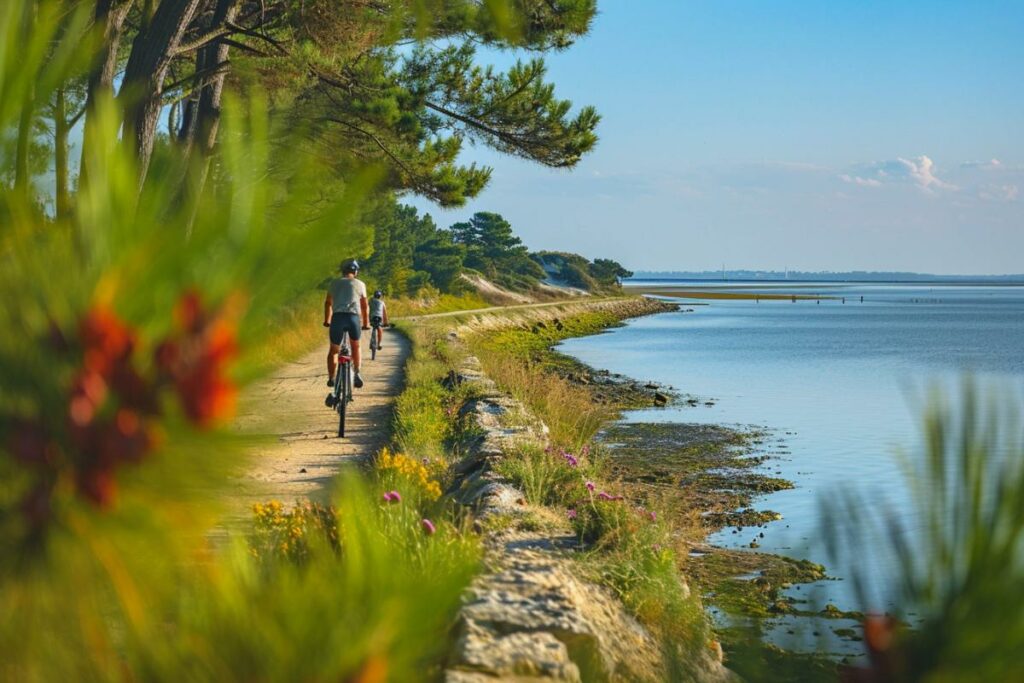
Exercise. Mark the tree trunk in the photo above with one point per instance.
(142, 90)
(203, 120)
(22, 181)
(21, 170)
(101, 77)
(202, 135)
(60, 153)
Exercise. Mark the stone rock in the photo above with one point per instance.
(537, 592)
(529, 654)
(660, 399)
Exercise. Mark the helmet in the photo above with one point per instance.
(350, 266)
(378, 294)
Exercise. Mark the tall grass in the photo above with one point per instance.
(570, 413)
(370, 609)
(960, 572)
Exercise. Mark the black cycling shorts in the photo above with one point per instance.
(342, 323)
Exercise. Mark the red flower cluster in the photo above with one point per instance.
(195, 359)
(113, 408)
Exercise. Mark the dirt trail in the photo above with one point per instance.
(296, 452)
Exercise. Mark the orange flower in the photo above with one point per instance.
(879, 632)
(206, 396)
(188, 312)
(105, 339)
(373, 670)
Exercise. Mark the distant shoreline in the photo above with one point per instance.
(966, 281)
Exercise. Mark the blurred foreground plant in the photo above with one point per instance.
(959, 559)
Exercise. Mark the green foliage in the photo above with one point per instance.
(425, 411)
(634, 555)
(410, 253)
(493, 250)
(549, 476)
(576, 271)
(961, 566)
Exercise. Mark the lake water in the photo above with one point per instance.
(841, 386)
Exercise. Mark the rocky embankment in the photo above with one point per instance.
(531, 616)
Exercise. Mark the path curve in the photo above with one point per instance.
(296, 452)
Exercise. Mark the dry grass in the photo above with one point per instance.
(569, 411)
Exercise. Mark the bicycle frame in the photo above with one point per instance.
(343, 384)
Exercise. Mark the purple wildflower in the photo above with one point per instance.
(571, 513)
(604, 496)
(428, 526)
(652, 515)
(387, 496)
(396, 497)
(573, 462)
(590, 486)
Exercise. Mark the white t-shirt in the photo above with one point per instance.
(376, 308)
(346, 293)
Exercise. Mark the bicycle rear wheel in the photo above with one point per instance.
(342, 409)
(344, 379)
(373, 343)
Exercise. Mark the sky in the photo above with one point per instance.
(806, 135)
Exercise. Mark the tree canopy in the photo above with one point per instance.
(395, 85)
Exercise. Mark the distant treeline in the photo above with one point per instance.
(411, 254)
(822, 276)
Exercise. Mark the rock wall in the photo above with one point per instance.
(531, 618)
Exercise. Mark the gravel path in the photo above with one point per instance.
(296, 452)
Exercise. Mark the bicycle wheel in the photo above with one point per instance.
(373, 343)
(343, 398)
(342, 409)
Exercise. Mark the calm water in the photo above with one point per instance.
(840, 386)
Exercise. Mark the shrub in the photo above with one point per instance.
(549, 476)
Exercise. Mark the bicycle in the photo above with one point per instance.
(341, 395)
(375, 325)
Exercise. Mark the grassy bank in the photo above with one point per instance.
(628, 543)
(669, 485)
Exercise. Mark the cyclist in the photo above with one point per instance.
(378, 316)
(346, 310)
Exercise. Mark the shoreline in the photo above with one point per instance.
(719, 473)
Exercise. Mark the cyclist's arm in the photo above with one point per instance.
(364, 309)
(328, 308)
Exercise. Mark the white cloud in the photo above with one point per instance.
(857, 180)
(999, 193)
(919, 171)
(990, 165)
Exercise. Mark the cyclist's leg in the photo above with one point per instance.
(335, 335)
(354, 328)
(332, 363)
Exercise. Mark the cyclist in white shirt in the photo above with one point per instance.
(378, 316)
(346, 310)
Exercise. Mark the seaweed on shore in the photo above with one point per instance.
(707, 469)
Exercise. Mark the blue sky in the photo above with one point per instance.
(809, 135)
